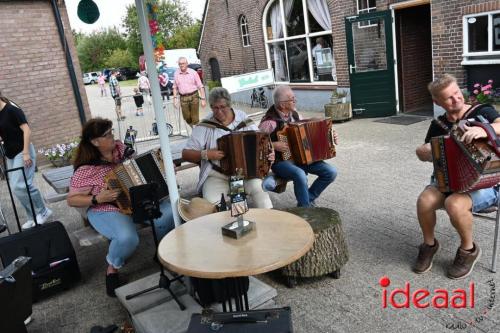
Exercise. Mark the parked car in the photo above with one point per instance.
(198, 69)
(127, 73)
(90, 78)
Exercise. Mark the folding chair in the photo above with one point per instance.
(486, 214)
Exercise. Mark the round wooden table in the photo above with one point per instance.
(198, 248)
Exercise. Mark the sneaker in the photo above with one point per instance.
(27, 321)
(43, 217)
(425, 255)
(464, 263)
(28, 224)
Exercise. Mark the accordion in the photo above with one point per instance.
(245, 154)
(461, 167)
(309, 140)
(143, 169)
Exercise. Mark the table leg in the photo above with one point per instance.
(234, 287)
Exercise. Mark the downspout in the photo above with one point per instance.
(69, 62)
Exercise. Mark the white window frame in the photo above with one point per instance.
(245, 38)
(467, 54)
(365, 11)
(308, 35)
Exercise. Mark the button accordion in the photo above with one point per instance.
(309, 140)
(245, 150)
(461, 167)
(143, 169)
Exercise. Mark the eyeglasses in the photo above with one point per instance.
(109, 133)
(218, 107)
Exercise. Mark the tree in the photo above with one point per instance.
(94, 49)
(185, 37)
(120, 58)
(172, 16)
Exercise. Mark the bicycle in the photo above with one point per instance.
(259, 98)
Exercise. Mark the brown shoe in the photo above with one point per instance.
(425, 255)
(464, 263)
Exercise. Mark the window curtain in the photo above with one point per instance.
(277, 30)
(319, 10)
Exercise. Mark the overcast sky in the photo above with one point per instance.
(112, 12)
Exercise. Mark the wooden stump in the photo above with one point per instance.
(329, 252)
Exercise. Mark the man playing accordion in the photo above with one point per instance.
(281, 113)
(202, 148)
(459, 206)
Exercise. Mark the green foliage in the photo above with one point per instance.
(213, 84)
(94, 49)
(172, 16)
(185, 37)
(120, 58)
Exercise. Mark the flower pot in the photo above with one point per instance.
(60, 162)
(338, 112)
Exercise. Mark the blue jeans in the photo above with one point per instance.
(121, 231)
(298, 174)
(17, 185)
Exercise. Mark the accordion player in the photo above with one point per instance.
(246, 151)
(143, 169)
(462, 167)
(309, 140)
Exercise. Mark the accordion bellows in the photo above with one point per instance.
(143, 169)
(245, 150)
(309, 140)
(460, 167)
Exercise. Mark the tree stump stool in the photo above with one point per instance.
(329, 251)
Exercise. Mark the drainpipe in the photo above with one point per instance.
(69, 62)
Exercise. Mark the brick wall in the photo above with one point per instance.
(34, 73)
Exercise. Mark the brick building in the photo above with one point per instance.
(384, 52)
(34, 72)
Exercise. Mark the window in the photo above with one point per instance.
(245, 35)
(366, 6)
(481, 38)
(299, 42)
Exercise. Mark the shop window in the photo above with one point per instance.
(482, 38)
(245, 35)
(299, 41)
(366, 6)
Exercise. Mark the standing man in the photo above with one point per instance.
(188, 85)
(459, 206)
(281, 113)
(114, 88)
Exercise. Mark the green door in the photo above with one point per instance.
(371, 64)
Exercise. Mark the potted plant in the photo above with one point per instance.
(484, 94)
(339, 109)
(60, 155)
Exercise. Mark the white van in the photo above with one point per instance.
(170, 57)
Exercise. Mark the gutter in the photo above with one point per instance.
(69, 62)
(203, 19)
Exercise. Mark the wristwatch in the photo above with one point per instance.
(94, 200)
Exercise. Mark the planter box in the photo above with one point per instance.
(338, 112)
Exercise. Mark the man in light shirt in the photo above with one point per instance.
(188, 86)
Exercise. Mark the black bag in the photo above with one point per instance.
(263, 321)
(212, 290)
(54, 263)
(15, 293)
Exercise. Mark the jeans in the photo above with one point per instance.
(121, 231)
(298, 174)
(17, 185)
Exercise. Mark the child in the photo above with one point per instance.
(139, 100)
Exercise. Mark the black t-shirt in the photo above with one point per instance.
(11, 118)
(485, 110)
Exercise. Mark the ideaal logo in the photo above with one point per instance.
(440, 299)
(423, 298)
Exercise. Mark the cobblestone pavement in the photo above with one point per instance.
(378, 181)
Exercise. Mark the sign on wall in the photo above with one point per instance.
(248, 81)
